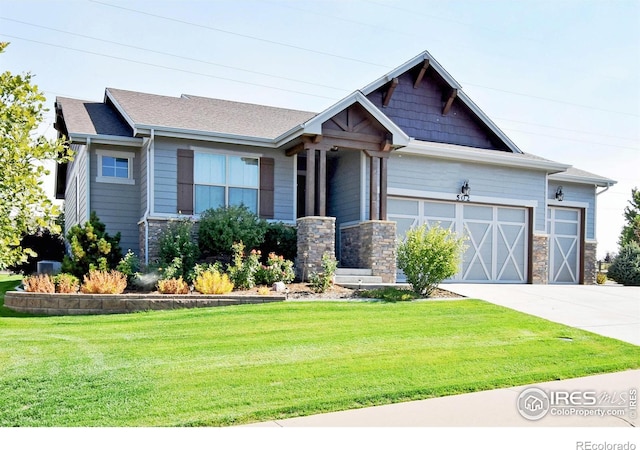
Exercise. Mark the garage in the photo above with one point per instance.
(497, 236)
(564, 245)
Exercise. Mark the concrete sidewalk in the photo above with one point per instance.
(609, 310)
(496, 408)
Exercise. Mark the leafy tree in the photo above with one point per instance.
(631, 231)
(24, 206)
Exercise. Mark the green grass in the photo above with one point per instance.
(390, 294)
(240, 364)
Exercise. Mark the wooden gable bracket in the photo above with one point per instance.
(449, 102)
(306, 140)
(423, 71)
(392, 87)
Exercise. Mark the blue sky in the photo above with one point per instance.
(561, 78)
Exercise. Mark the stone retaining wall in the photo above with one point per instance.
(78, 304)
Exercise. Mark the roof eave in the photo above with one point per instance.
(475, 155)
(106, 139)
(183, 133)
(595, 180)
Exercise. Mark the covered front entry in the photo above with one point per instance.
(497, 236)
(564, 245)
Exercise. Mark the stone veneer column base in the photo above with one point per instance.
(540, 263)
(378, 248)
(590, 261)
(316, 235)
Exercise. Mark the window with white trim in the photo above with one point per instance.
(225, 180)
(115, 167)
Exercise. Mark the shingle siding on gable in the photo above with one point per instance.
(419, 113)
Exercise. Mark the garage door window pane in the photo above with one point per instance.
(566, 228)
(403, 207)
(435, 209)
(566, 214)
(478, 213)
(511, 215)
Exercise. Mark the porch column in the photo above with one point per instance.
(383, 188)
(374, 185)
(322, 183)
(310, 193)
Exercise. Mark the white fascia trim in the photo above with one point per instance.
(414, 193)
(568, 178)
(567, 203)
(120, 109)
(105, 139)
(314, 125)
(225, 138)
(424, 56)
(474, 155)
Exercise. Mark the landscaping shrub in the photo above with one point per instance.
(46, 245)
(220, 228)
(625, 268)
(173, 286)
(601, 278)
(244, 268)
(429, 256)
(276, 269)
(176, 243)
(91, 248)
(39, 283)
(66, 283)
(281, 239)
(321, 282)
(129, 265)
(213, 282)
(103, 282)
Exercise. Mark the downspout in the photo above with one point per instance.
(145, 218)
(595, 207)
(604, 190)
(88, 181)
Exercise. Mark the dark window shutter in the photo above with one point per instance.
(185, 181)
(267, 182)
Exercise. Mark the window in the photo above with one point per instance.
(115, 167)
(225, 180)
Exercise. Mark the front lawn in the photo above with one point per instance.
(240, 364)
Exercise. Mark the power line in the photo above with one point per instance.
(246, 36)
(568, 129)
(572, 139)
(170, 54)
(120, 58)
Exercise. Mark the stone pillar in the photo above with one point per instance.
(590, 261)
(540, 259)
(350, 247)
(378, 248)
(316, 235)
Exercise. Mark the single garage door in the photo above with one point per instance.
(564, 245)
(497, 243)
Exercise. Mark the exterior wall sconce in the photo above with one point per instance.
(559, 194)
(465, 191)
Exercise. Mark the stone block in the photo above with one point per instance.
(49, 301)
(90, 302)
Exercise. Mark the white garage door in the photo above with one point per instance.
(564, 245)
(497, 244)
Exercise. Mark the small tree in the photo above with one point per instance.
(428, 256)
(631, 230)
(24, 206)
(91, 248)
(625, 268)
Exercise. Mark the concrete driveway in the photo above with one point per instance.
(609, 310)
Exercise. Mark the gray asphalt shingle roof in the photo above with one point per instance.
(208, 115)
(86, 117)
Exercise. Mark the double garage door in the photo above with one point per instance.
(497, 236)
